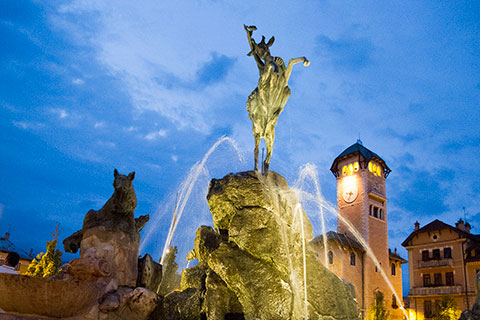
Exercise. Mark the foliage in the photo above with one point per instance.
(46, 264)
(170, 277)
(446, 309)
(377, 310)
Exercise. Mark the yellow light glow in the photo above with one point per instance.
(349, 181)
(350, 169)
(344, 170)
(356, 166)
(379, 171)
(370, 167)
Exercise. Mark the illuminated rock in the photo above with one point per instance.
(257, 248)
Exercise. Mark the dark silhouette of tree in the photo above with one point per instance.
(378, 310)
(170, 277)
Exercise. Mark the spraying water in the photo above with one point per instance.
(185, 192)
(298, 211)
(310, 171)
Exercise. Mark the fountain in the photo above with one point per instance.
(254, 263)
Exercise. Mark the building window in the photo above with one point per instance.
(427, 308)
(447, 253)
(437, 278)
(394, 271)
(426, 280)
(425, 256)
(352, 259)
(330, 257)
(394, 302)
(436, 254)
(380, 215)
(449, 279)
(375, 212)
(370, 210)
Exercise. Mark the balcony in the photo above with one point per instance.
(423, 291)
(435, 263)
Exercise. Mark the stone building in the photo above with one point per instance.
(362, 207)
(7, 246)
(444, 260)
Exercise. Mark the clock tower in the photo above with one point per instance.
(361, 194)
(362, 214)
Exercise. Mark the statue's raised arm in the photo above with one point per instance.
(267, 101)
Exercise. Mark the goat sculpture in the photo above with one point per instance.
(267, 101)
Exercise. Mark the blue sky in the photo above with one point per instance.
(149, 86)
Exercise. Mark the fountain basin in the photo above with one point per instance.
(46, 297)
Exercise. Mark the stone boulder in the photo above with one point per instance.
(256, 249)
(149, 273)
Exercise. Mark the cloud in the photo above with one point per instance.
(351, 54)
(209, 73)
(106, 144)
(60, 112)
(78, 81)
(215, 70)
(99, 124)
(156, 134)
(162, 66)
(422, 192)
(27, 125)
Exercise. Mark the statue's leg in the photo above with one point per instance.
(255, 152)
(269, 138)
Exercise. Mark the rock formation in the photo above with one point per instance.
(252, 261)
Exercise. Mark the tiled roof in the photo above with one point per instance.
(340, 238)
(396, 256)
(439, 225)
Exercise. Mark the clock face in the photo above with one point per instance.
(350, 193)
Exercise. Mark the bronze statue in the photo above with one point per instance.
(267, 101)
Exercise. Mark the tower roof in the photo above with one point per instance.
(358, 149)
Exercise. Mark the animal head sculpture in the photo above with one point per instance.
(123, 183)
(262, 49)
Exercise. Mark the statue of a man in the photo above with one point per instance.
(267, 101)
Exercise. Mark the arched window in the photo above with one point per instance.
(381, 214)
(394, 302)
(370, 209)
(330, 257)
(394, 271)
(352, 259)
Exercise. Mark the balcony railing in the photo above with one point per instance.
(436, 290)
(435, 263)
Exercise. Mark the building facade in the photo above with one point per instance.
(7, 246)
(358, 251)
(444, 261)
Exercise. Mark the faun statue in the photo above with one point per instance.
(267, 101)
